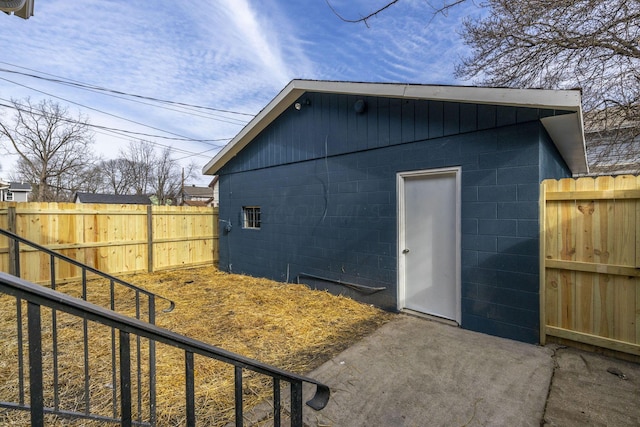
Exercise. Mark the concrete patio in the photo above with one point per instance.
(415, 372)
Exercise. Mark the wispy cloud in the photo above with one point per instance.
(228, 54)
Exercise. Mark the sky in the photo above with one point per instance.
(230, 56)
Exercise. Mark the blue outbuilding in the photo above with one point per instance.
(414, 198)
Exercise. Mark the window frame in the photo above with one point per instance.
(251, 218)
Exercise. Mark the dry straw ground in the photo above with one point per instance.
(285, 325)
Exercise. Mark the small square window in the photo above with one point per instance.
(251, 217)
(9, 196)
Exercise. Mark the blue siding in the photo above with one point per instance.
(325, 179)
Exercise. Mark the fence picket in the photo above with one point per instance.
(590, 284)
(112, 238)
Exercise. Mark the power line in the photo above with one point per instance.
(25, 110)
(189, 154)
(185, 110)
(123, 134)
(63, 80)
(97, 110)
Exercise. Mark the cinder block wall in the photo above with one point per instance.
(334, 215)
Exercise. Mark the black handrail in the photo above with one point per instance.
(82, 266)
(15, 263)
(38, 296)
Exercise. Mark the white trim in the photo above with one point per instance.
(567, 133)
(532, 98)
(400, 177)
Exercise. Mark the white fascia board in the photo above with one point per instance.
(567, 133)
(267, 115)
(530, 98)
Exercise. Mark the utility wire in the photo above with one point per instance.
(124, 134)
(184, 110)
(62, 80)
(97, 110)
(114, 133)
(187, 153)
(24, 109)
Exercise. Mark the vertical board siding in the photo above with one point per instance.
(592, 274)
(110, 238)
(300, 135)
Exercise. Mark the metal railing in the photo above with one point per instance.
(144, 308)
(38, 296)
(14, 267)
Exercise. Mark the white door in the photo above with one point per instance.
(428, 244)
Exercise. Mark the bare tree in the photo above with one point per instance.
(168, 177)
(137, 163)
(440, 9)
(88, 180)
(363, 19)
(117, 176)
(51, 145)
(555, 44)
(141, 169)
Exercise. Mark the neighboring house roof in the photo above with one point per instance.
(116, 199)
(565, 130)
(204, 203)
(612, 136)
(193, 191)
(19, 186)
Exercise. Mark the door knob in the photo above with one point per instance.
(406, 251)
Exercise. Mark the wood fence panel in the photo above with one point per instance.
(591, 276)
(567, 252)
(117, 239)
(183, 236)
(553, 285)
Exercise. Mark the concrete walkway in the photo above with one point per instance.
(588, 389)
(416, 372)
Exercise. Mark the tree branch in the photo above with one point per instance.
(364, 19)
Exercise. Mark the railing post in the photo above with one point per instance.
(14, 245)
(296, 404)
(125, 379)
(190, 389)
(34, 325)
(152, 365)
(276, 402)
(238, 395)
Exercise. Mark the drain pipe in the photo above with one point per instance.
(360, 288)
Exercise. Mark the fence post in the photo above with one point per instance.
(14, 245)
(149, 239)
(542, 206)
(215, 242)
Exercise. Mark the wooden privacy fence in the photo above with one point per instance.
(117, 239)
(590, 278)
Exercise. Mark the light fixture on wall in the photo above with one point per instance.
(360, 106)
(298, 105)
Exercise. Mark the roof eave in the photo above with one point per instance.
(568, 100)
(567, 133)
